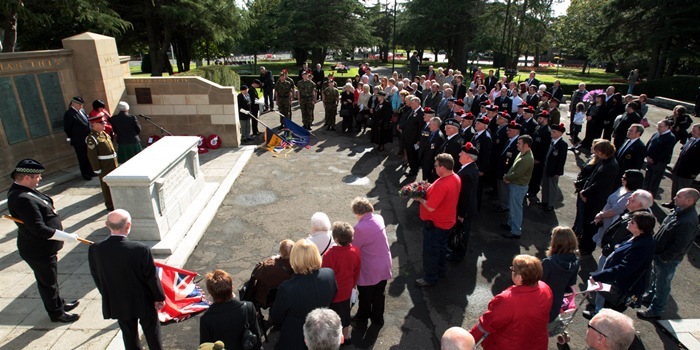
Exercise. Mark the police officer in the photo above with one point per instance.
(40, 236)
(307, 98)
(76, 127)
(283, 96)
(330, 104)
(101, 154)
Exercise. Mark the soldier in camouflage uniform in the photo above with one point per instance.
(101, 154)
(330, 99)
(307, 98)
(283, 96)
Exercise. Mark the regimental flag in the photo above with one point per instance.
(275, 142)
(183, 297)
(295, 133)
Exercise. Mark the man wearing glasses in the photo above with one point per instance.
(101, 155)
(610, 330)
(438, 210)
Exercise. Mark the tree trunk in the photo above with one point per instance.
(672, 66)
(654, 60)
(10, 29)
(518, 41)
(255, 62)
(506, 21)
(300, 55)
(318, 56)
(536, 62)
(660, 70)
(585, 64)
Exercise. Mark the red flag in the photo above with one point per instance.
(183, 297)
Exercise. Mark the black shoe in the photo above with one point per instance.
(358, 323)
(588, 314)
(501, 210)
(454, 257)
(668, 205)
(73, 304)
(505, 227)
(510, 236)
(646, 315)
(65, 318)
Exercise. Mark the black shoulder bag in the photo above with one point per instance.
(249, 339)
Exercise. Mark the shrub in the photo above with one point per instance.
(222, 75)
(683, 87)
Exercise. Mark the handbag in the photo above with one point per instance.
(246, 291)
(345, 113)
(455, 241)
(619, 298)
(644, 122)
(249, 339)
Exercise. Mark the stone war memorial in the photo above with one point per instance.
(36, 87)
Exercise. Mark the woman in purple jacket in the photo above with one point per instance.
(375, 270)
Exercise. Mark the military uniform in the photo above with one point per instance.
(103, 160)
(307, 88)
(283, 91)
(330, 105)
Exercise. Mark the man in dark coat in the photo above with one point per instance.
(687, 166)
(467, 203)
(410, 133)
(527, 121)
(245, 107)
(125, 276)
(490, 81)
(429, 147)
(127, 129)
(505, 161)
(632, 153)
(659, 152)
(673, 241)
(414, 64)
(478, 99)
(451, 144)
(255, 107)
(541, 140)
(40, 236)
(631, 116)
(482, 141)
(77, 128)
(554, 162)
(268, 87)
(531, 80)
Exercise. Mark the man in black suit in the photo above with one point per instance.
(659, 152)
(490, 81)
(467, 203)
(687, 166)
(531, 80)
(504, 103)
(556, 90)
(429, 147)
(466, 128)
(410, 133)
(39, 236)
(268, 85)
(554, 162)
(505, 161)
(127, 129)
(632, 153)
(452, 144)
(482, 141)
(125, 275)
(77, 128)
(541, 139)
(478, 99)
(245, 107)
(255, 108)
(532, 99)
(317, 78)
(628, 118)
(526, 113)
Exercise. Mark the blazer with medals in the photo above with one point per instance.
(484, 144)
(556, 159)
(125, 275)
(430, 146)
(529, 126)
(467, 203)
(40, 221)
(76, 127)
(506, 158)
(452, 146)
(541, 140)
(632, 156)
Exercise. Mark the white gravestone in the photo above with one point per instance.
(162, 188)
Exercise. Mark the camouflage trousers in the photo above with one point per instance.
(285, 108)
(307, 110)
(331, 111)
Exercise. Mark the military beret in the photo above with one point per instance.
(561, 128)
(514, 125)
(485, 103)
(460, 102)
(28, 166)
(428, 110)
(484, 120)
(492, 108)
(460, 111)
(78, 99)
(529, 109)
(543, 114)
(452, 122)
(469, 116)
(470, 149)
(523, 105)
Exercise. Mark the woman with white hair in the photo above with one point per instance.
(127, 129)
(347, 105)
(321, 234)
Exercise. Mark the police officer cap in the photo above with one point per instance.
(78, 99)
(452, 122)
(28, 166)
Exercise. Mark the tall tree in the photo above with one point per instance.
(261, 30)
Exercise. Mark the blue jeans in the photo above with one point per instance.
(515, 204)
(662, 275)
(434, 252)
(599, 299)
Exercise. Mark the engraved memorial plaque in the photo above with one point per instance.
(143, 96)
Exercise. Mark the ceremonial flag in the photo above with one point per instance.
(298, 135)
(275, 142)
(183, 297)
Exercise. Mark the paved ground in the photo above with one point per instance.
(273, 199)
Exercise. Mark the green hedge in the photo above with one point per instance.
(682, 88)
(222, 75)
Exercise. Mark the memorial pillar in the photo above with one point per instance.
(98, 72)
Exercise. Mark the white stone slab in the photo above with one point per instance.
(685, 331)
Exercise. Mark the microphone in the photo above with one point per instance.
(144, 117)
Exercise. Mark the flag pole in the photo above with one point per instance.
(19, 221)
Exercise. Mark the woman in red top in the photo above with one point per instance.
(517, 318)
(344, 259)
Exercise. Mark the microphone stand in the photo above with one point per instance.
(162, 129)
